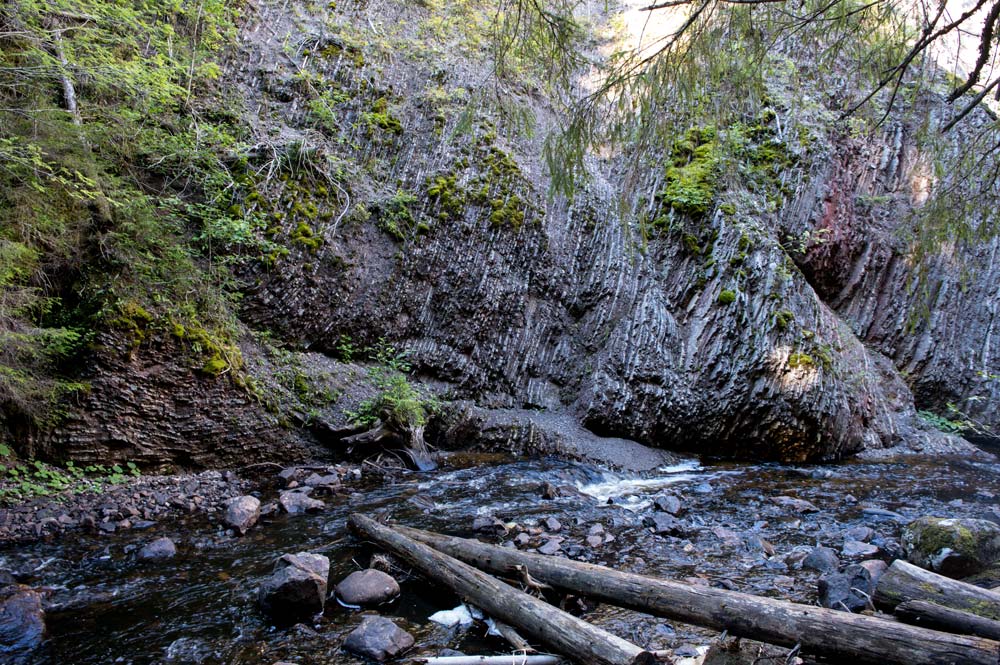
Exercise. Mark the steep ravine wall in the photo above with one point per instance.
(936, 319)
(571, 311)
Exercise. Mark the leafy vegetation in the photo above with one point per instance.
(398, 404)
(955, 422)
(124, 186)
(23, 480)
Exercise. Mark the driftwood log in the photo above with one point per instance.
(513, 659)
(559, 630)
(931, 615)
(903, 581)
(840, 636)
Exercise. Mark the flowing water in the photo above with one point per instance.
(201, 607)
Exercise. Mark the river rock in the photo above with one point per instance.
(289, 475)
(242, 513)
(489, 524)
(854, 549)
(860, 533)
(367, 587)
(821, 559)
(378, 638)
(22, 620)
(663, 524)
(668, 503)
(551, 546)
(875, 568)
(299, 502)
(798, 505)
(839, 591)
(552, 525)
(297, 587)
(160, 549)
(324, 484)
(952, 547)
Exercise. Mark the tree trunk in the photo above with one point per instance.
(100, 206)
(820, 632)
(561, 631)
(904, 581)
(411, 442)
(931, 615)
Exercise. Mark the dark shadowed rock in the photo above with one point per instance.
(367, 587)
(22, 620)
(378, 638)
(242, 513)
(297, 587)
(299, 502)
(160, 549)
(952, 547)
(840, 591)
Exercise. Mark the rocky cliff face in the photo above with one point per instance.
(436, 233)
(934, 317)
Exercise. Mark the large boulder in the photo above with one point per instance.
(297, 587)
(367, 587)
(242, 513)
(378, 638)
(952, 547)
(22, 620)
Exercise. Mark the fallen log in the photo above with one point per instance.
(512, 637)
(513, 659)
(903, 581)
(938, 617)
(561, 631)
(820, 631)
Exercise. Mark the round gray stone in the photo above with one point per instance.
(367, 587)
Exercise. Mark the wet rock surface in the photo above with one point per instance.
(367, 587)
(378, 638)
(242, 513)
(22, 619)
(137, 504)
(295, 502)
(160, 549)
(297, 587)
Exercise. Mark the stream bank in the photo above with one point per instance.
(733, 529)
